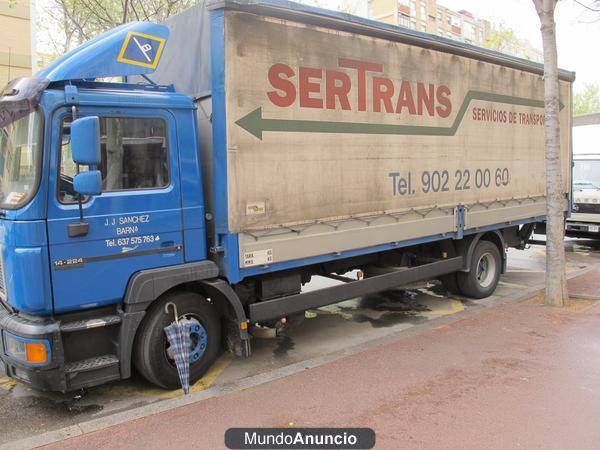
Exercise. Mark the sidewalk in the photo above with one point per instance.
(515, 375)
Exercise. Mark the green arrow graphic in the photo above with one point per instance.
(255, 124)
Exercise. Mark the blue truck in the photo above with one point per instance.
(221, 160)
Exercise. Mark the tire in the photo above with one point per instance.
(151, 355)
(482, 279)
(450, 282)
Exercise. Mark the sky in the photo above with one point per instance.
(577, 35)
(577, 29)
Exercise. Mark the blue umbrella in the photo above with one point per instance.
(178, 335)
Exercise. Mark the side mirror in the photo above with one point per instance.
(88, 183)
(85, 148)
(85, 141)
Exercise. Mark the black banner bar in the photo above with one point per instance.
(300, 438)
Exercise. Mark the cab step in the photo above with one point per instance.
(95, 363)
(80, 325)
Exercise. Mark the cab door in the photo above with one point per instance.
(136, 222)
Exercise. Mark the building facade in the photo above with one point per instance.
(16, 55)
(430, 17)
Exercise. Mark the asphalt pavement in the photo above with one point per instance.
(518, 375)
(322, 337)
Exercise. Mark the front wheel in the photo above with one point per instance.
(482, 279)
(153, 356)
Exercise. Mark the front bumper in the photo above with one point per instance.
(50, 377)
(583, 228)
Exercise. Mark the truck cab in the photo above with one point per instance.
(584, 221)
(74, 232)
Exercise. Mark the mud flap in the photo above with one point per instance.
(234, 342)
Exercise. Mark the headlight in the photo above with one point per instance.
(30, 351)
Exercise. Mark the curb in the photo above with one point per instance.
(256, 380)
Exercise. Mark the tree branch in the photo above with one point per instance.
(586, 6)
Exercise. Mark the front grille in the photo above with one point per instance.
(587, 208)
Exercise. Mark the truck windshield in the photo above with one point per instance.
(587, 170)
(20, 153)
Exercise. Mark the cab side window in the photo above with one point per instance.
(134, 156)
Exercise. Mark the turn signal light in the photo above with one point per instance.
(36, 352)
(29, 351)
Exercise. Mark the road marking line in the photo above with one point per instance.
(203, 383)
(455, 307)
(504, 283)
(7, 384)
(524, 271)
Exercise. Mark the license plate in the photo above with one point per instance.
(593, 228)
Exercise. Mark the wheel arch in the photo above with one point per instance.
(146, 286)
(495, 237)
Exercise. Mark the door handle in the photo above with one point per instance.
(171, 246)
(79, 229)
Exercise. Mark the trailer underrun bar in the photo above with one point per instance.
(277, 308)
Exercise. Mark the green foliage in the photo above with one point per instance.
(501, 39)
(348, 7)
(68, 23)
(587, 101)
(345, 6)
(504, 40)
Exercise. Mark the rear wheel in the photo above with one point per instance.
(153, 356)
(450, 282)
(482, 279)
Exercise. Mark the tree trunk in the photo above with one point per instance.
(556, 280)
